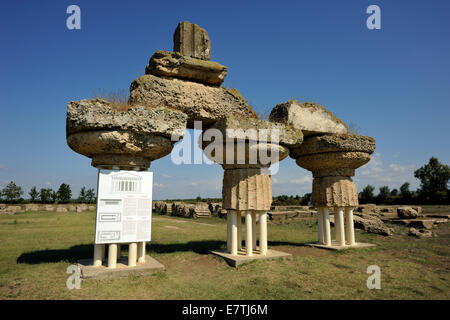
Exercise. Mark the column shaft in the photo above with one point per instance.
(229, 232)
(141, 252)
(249, 233)
(112, 255)
(233, 233)
(320, 225)
(254, 229)
(239, 230)
(350, 230)
(340, 229)
(326, 227)
(132, 253)
(99, 254)
(263, 233)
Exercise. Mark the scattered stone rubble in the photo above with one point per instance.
(33, 207)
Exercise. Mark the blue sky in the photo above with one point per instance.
(393, 83)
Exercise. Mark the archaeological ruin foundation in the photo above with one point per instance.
(184, 86)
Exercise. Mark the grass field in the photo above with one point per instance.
(38, 247)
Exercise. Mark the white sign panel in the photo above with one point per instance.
(124, 206)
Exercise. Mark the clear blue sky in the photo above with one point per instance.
(393, 83)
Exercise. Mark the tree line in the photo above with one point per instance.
(13, 193)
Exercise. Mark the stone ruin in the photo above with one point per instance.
(184, 86)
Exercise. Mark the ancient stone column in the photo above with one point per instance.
(125, 137)
(246, 156)
(333, 160)
(332, 155)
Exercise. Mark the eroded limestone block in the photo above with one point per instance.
(246, 189)
(99, 114)
(407, 213)
(311, 118)
(127, 136)
(198, 101)
(173, 64)
(235, 127)
(191, 40)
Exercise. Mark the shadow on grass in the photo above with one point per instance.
(85, 251)
(72, 254)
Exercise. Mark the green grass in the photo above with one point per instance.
(38, 247)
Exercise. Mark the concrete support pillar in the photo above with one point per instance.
(234, 235)
(249, 233)
(239, 230)
(112, 255)
(263, 233)
(339, 223)
(99, 254)
(326, 227)
(118, 251)
(350, 230)
(320, 225)
(254, 230)
(132, 254)
(141, 252)
(229, 232)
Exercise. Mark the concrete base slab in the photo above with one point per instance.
(241, 258)
(122, 270)
(335, 246)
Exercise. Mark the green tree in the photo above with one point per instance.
(394, 192)
(82, 195)
(12, 192)
(34, 194)
(306, 199)
(434, 178)
(90, 196)
(45, 195)
(64, 194)
(53, 195)
(366, 195)
(404, 191)
(384, 194)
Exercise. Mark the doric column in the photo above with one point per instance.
(99, 254)
(339, 223)
(132, 254)
(229, 231)
(263, 233)
(320, 225)
(326, 227)
(112, 255)
(254, 229)
(239, 230)
(234, 236)
(350, 230)
(141, 252)
(249, 233)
